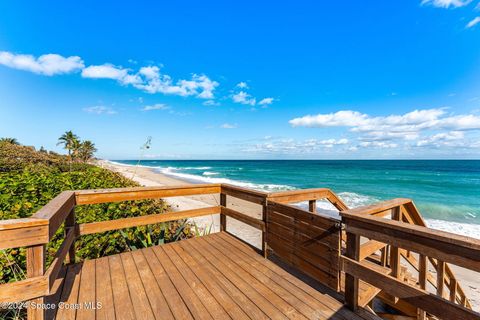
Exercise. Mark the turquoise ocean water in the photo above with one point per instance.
(447, 192)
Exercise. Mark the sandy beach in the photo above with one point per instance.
(469, 280)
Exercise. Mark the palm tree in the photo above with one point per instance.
(87, 150)
(9, 140)
(70, 142)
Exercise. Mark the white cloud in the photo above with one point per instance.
(473, 23)
(151, 80)
(429, 128)
(47, 64)
(108, 71)
(242, 85)
(266, 101)
(291, 146)
(200, 86)
(99, 110)
(244, 98)
(446, 3)
(411, 122)
(442, 139)
(229, 126)
(158, 106)
(378, 144)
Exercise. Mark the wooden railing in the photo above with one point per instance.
(302, 243)
(407, 240)
(404, 210)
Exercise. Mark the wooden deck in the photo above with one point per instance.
(215, 276)
(327, 265)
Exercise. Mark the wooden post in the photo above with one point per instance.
(394, 251)
(35, 268)
(453, 290)
(264, 232)
(312, 206)
(422, 280)
(440, 277)
(223, 218)
(351, 282)
(70, 223)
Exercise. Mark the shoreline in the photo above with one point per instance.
(148, 176)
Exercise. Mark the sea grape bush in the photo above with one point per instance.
(29, 179)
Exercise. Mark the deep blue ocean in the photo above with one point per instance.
(447, 192)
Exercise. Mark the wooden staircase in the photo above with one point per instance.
(414, 269)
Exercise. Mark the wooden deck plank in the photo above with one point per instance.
(70, 291)
(325, 299)
(86, 292)
(103, 289)
(170, 293)
(197, 309)
(55, 298)
(240, 282)
(211, 283)
(208, 300)
(288, 310)
(289, 292)
(237, 294)
(139, 298)
(157, 300)
(121, 296)
(227, 250)
(210, 277)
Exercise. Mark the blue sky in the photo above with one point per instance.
(250, 79)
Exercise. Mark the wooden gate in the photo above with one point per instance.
(306, 241)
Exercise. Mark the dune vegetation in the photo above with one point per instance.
(30, 178)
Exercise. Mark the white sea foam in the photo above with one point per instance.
(175, 172)
(466, 229)
(210, 173)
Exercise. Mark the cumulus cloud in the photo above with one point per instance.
(291, 146)
(229, 126)
(446, 3)
(419, 128)
(157, 106)
(100, 110)
(443, 139)
(473, 23)
(378, 144)
(47, 64)
(242, 85)
(266, 101)
(244, 98)
(151, 80)
(410, 122)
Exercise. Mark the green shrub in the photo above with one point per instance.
(30, 179)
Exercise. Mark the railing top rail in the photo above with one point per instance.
(11, 224)
(448, 247)
(250, 191)
(139, 193)
(378, 207)
(281, 194)
(387, 225)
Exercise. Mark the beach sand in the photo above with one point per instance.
(469, 280)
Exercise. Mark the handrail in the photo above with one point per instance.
(442, 246)
(312, 195)
(408, 213)
(141, 193)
